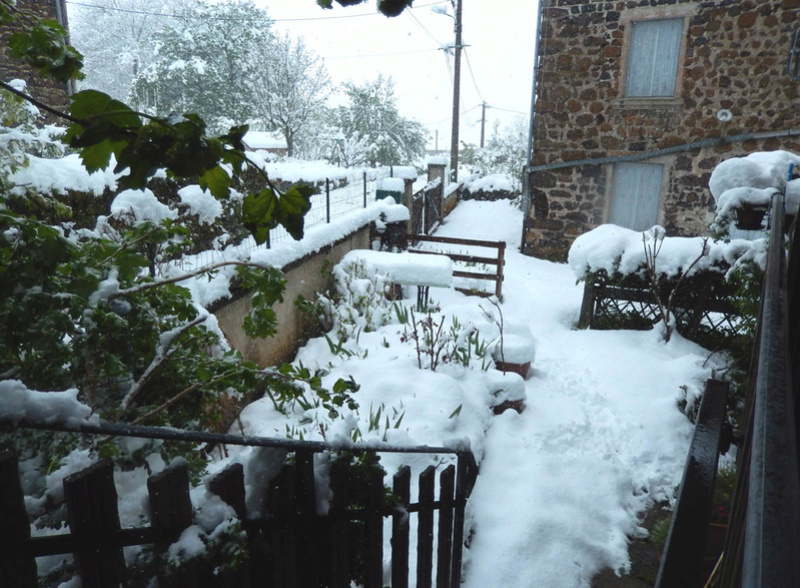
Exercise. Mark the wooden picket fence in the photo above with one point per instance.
(289, 545)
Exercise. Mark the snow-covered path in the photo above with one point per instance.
(560, 485)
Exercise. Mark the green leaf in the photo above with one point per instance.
(292, 208)
(217, 181)
(96, 157)
(258, 214)
(91, 104)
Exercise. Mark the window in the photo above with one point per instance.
(793, 65)
(634, 201)
(653, 57)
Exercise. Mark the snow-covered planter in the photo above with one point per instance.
(508, 392)
(492, 187)
(514, 353)
(743, 188)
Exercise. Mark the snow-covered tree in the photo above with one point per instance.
(115, 37)
(373, 131)
(504, 153)
(207, 63)
(290, 90)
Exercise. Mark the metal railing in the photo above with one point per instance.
(763, 538)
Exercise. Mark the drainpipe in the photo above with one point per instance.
(526, 176)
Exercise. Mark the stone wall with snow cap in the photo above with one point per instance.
(491, 187)
(732, 57)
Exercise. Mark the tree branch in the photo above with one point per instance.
(161, 356)
(150, 285)
(40, 105)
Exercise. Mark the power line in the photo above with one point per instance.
(435, 40)
(378, 54)
(228, 18)
(472, 74)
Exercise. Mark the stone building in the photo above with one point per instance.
(639, 100)
(47, 90)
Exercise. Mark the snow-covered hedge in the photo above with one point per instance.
(618, 251)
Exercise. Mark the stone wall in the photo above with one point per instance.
(50, 92)
(733, 56)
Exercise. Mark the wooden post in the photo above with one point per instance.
(282, 536)
(401, 485)
(425, 528)
(501, 262)
(587, 306)
(21, 572)
(170, 514)
(444, 560)
(307, 562)
(467, 470)
(229, 486)
(340, 568)
(93, 515)
(374, 529)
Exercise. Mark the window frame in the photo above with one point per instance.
(649, 13)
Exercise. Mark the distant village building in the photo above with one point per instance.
(265, 141)
(47, 90)
(632, 83)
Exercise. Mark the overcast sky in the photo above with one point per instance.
(358, 43)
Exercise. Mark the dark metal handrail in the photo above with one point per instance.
(772, 526)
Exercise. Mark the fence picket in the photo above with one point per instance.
(374, 529)
(281, 535)
(425, 528)
(20, 572)
(170, 514)
(340, 569)
(308, 531)
(229, 486)
(401, 486)
(92, 513)
(447, 482)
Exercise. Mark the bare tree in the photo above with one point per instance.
(290, 90)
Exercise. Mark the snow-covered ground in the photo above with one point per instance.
(563, 485)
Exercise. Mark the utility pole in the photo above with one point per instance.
(456, 93)
(483, 123)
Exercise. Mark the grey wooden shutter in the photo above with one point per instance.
(635, 194)
(653, 57)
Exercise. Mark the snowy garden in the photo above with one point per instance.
(113, 269)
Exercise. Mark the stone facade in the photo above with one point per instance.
(49, 91)
(732, 56)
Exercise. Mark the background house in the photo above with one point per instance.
(635, 84)
(265, 141)
(46, 90)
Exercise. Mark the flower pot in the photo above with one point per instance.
(749, 217)
(517, 368)
(518, 405)
(716, 538)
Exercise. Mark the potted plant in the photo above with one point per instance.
(750, 217)
(514, 353)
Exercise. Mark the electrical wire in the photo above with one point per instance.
(422, 26)
(472, 74)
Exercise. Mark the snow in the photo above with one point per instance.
(392, 184)
(200, 202)
(404, 268)
(405, 172)
(617, 249)
(19, 403)
(142, 205)
(563, 485)
(263, 140)
(766, 169)
(490, 183)
(60, 175)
